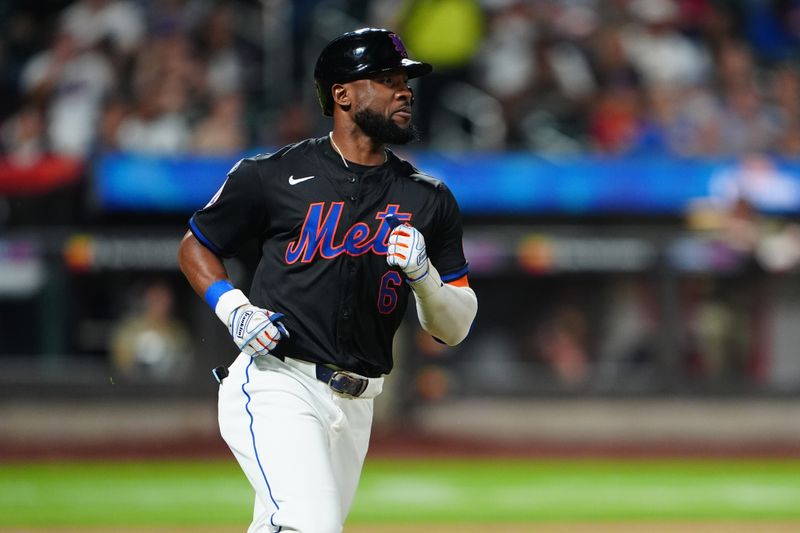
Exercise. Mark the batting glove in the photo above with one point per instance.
(255, 331)
(407, 251)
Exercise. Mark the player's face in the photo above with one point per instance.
(386, 93)
(382, 106)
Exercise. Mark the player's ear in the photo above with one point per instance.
(341, 96)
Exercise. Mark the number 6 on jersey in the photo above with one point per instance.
(387, 296)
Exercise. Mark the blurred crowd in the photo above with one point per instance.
(691, 78)
(154, 77)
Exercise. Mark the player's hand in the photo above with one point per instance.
(256, 331)
(407, 250)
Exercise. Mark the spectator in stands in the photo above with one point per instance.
(169, 58)
(115, 110)
(505, 65)
(23, 137)
(71, 83)
(114, 28)
(785, 88)
(747, 123)
(722, 313)
(661, 54)
(615, 116)
(150, 343)
(223, 66)
(158, 124)
(19, 40)
(565, 83)
(91, 22)
(611, 64)
(169, 83)
(221, 131)
(561, 343)
(615, 122)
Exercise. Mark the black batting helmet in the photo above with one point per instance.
(356, 55)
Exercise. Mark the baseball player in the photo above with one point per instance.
(348, 231)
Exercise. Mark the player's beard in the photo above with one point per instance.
(383, 130)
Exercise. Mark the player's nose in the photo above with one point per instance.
(406, 94)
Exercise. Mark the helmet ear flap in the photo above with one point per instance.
(324, 97)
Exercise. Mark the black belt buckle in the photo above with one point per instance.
(347, 384)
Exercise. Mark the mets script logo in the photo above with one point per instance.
(318, 234)
(398, 44)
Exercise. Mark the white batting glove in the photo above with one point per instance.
(407, 251)
(255, 331)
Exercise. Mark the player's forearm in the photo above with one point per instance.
(445, 311)
(200, 266)
(255, 331)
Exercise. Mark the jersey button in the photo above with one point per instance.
(352, 179)
(353, 197)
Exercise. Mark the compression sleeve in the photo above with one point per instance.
(445, 311)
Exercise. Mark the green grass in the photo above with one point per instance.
(396, 491)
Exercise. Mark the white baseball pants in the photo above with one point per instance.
(300, 445)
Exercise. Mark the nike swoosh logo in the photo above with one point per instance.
(295, 181)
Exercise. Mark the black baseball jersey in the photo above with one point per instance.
(323, 237)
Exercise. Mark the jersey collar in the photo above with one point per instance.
(334, 156)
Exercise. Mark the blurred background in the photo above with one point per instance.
(628, 172)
